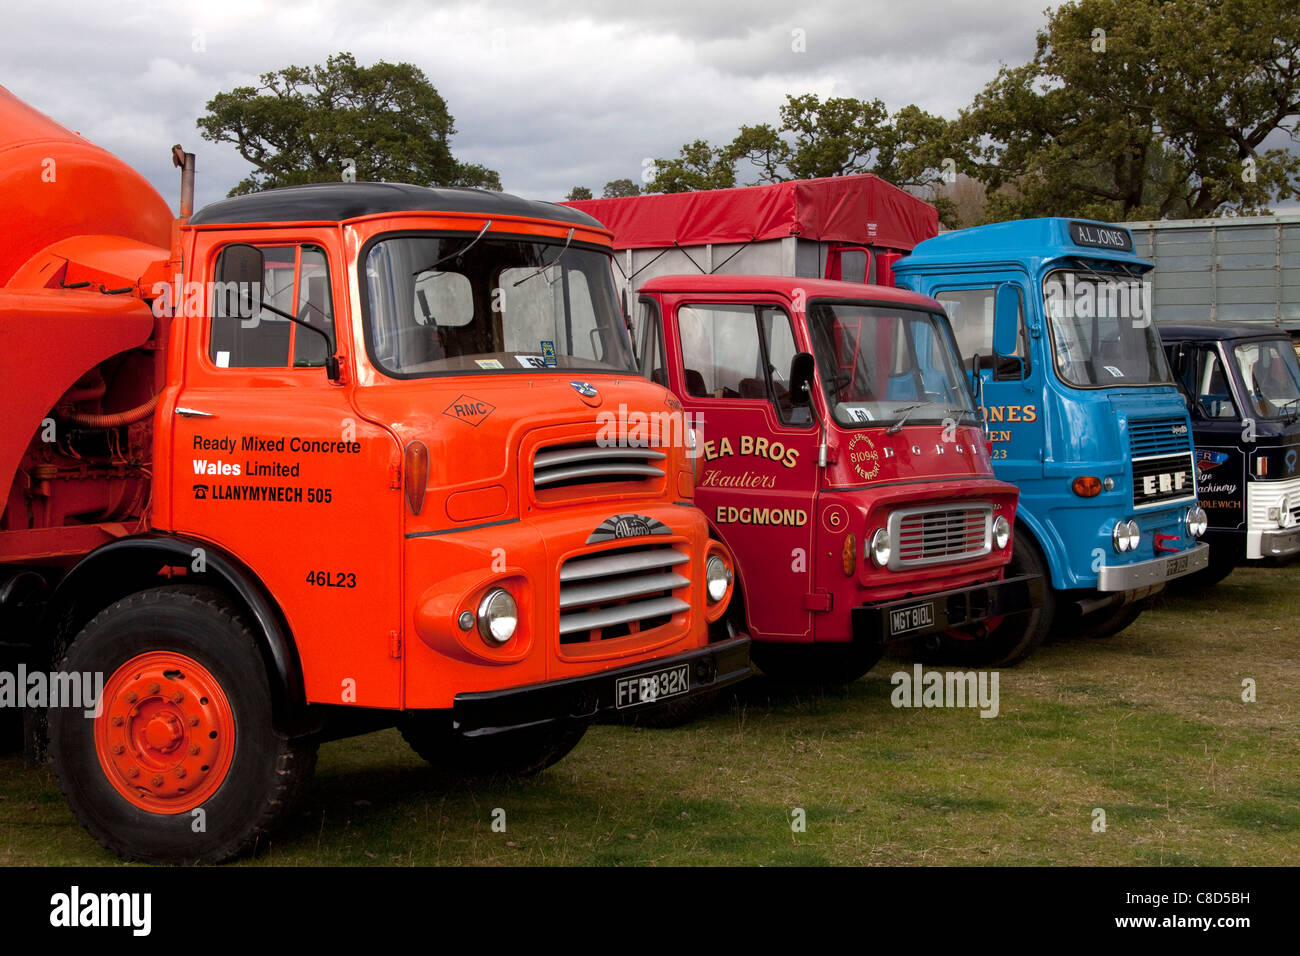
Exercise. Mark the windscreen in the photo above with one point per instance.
(1102, 333)
(1271, 376)
(879, 365)
(457, 304)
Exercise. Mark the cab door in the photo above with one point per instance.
(272, 463)
(728, 360)
(1009, 386)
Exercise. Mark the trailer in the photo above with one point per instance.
(1243, 271)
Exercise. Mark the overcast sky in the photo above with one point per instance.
(550, 93)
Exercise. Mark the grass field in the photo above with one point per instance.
(1149, 726)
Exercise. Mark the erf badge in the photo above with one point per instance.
(863, 457)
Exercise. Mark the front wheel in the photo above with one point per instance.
(180, 762)
(1015, 636)
(816, 663)
(522, 752)
(1107, 622)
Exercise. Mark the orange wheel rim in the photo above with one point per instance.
(165, 735)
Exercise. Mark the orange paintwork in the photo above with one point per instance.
(387, 637)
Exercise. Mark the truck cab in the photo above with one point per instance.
(318, 461)
(842, 461)
(1242, 385)
(1052, 317)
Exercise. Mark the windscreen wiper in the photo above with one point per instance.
(459, 252)
(543, 268)
(907, 410)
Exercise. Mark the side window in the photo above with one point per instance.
(295, 279)
(721, 356)
(652, 348)
(778, 338)
(971, 313)
(1210, 386)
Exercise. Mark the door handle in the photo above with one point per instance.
(193, 413)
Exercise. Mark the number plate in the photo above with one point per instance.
(655, 686)
(1177, 566)
(911, 618)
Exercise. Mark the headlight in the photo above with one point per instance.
(1119, 536)
(717, 577)
(1001, 532)
(1197, 521)
(880, 547)
(1284, 518)
(1134, 535)
(498, 616)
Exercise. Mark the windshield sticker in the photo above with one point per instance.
(548, 352)
(1113, 371)
(488, 363)
(531, 361)
(858, 414)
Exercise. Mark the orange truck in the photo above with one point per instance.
(319, 461)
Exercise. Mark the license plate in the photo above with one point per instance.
(1177, 565)
(648, 688)
(911, 618)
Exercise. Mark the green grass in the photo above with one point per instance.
(1148, 726)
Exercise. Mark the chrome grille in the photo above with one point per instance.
(933, 535)
(1164, 480)
(588, 464)
(620, 592)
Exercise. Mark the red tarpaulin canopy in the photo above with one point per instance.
(860, 209)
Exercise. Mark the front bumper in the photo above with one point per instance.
(1279, 544)
(1167, 567)
(584, 698)
(946, 610)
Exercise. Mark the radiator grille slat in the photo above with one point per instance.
(580, 569)
(616, 589)
(586, 621)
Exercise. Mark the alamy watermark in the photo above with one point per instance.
(922, 688)
(638, 429)
(39, 690)
(1127, 298)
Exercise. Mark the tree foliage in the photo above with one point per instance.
(837, 136)
(618, 188)
(577, 193)
(1142, 109)
(303, 125)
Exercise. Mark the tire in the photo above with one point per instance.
(524, 752)
(816, 663)
(676, 713)
(1107, 622)
(1207, 577)
(185, 698)
(1016, 636)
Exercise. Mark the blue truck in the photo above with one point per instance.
(1053, 317)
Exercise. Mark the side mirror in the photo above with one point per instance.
(241, 268)
(1006, 320)
(802, 373)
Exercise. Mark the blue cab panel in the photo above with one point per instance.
(1083, 414)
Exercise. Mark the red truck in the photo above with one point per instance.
(843, 460)
(314, 462)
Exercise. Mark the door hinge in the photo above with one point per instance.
(817, 601)
(395, 477)
(395, 644)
